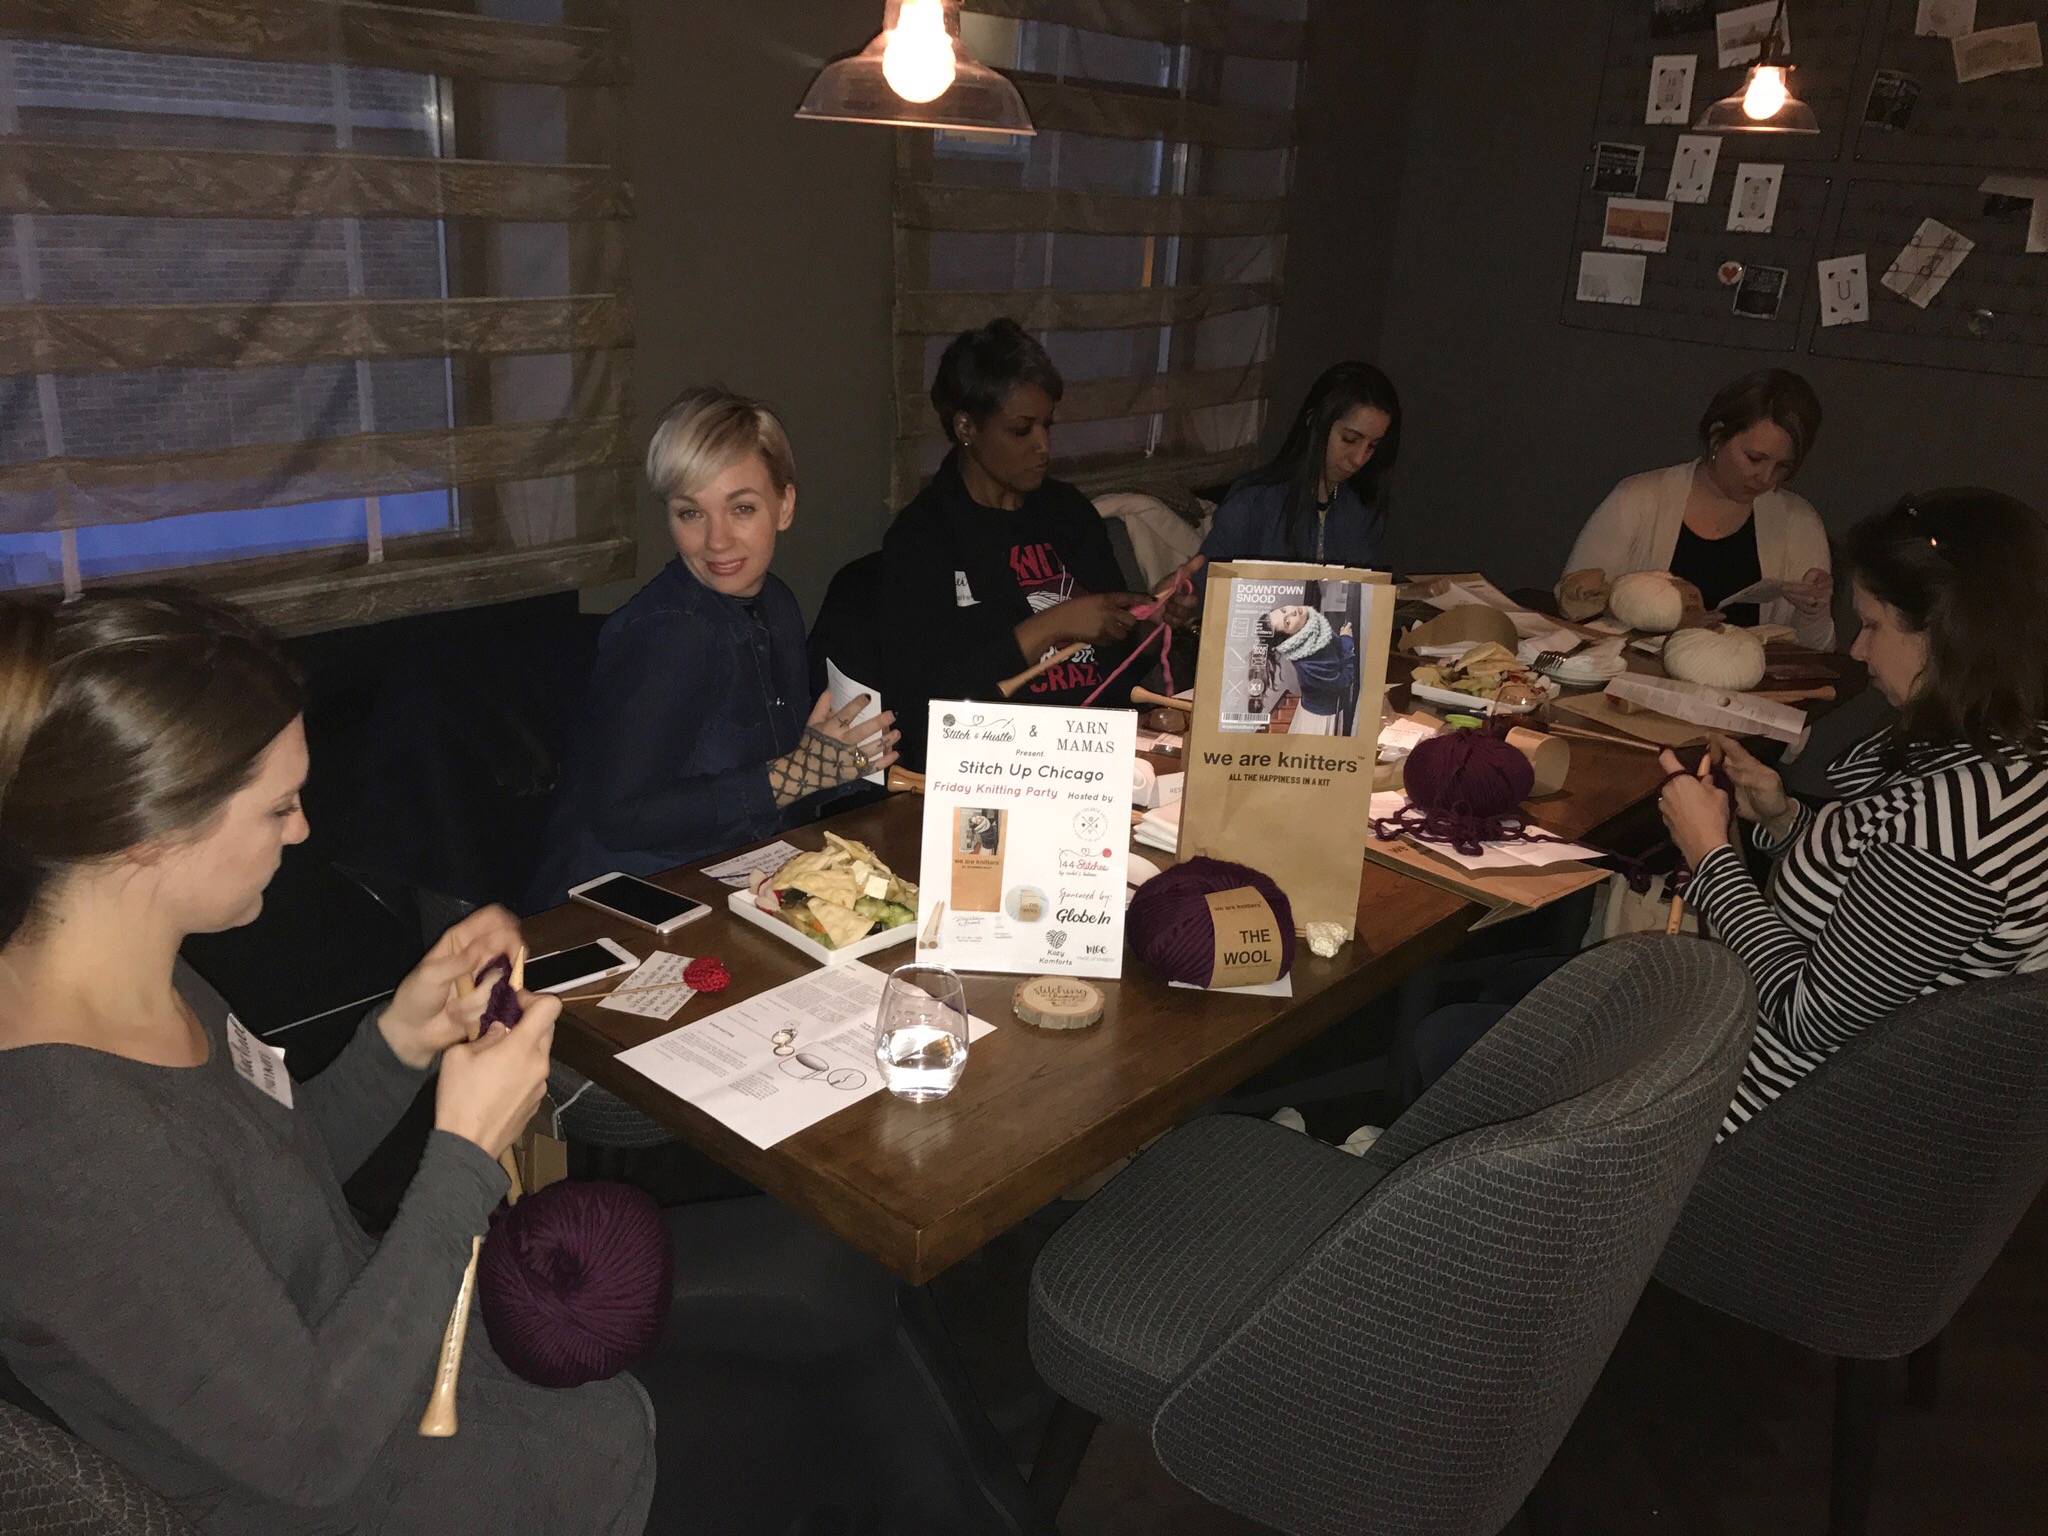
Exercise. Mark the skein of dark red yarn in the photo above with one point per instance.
(574, 1282)
(1172, 929)
(1465, 788)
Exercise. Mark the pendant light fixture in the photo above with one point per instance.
(917, 74)
(1765, 104)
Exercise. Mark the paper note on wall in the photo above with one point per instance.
(1929, 260)
(1844, 290)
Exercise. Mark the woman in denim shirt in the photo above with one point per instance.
(693, 737)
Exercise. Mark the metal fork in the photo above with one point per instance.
(1545, 660)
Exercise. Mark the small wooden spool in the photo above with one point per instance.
(1057, 1002)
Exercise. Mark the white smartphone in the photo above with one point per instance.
(639, 902)
(599, 960)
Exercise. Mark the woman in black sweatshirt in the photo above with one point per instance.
(995, 566)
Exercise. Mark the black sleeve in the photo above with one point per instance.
(937, 649)
(651, 696)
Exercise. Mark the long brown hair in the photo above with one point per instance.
(125, 718)
(1968, 568)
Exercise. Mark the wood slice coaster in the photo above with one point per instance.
(1057, 1002)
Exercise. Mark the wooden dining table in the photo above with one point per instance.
(920, 1186)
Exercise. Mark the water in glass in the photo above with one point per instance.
(921, 1032)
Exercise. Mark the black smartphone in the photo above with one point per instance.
(567, 968)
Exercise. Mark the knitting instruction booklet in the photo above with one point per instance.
(726, 1064)
(1286, 726)
(1027, 838)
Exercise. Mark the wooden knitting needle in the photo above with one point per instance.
(519, 970)
(666, 986)
(903, 782)
(1161, 701)
(1009, 686)
(438, 1422)
(1677, 918)
(1613, 741)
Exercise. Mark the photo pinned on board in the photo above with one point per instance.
(1617, 168)
(1291, 656)
(1636, 224)
(1761, 292)
(1893, 95)
(1675, 18)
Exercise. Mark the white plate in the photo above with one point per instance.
(742, 905)
(1466, 704)
(1585, 671)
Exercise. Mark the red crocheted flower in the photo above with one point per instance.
(707, 975)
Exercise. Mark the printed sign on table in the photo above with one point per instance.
(1027, 833)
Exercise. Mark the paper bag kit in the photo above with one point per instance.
(1284, 738)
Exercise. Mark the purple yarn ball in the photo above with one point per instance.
(1170, 925)
(1468, 773)
(574, 1282)
(502, 1006)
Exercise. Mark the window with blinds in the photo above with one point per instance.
(1140, 235)
(315, 302)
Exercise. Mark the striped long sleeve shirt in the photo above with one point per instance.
(1926, 875)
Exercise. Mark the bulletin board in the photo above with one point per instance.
(1852, 188)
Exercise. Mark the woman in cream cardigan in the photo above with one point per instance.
(1721, 521)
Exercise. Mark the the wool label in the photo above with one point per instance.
(1248, 938)
(258, 1064)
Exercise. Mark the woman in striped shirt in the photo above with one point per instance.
(1932, 871)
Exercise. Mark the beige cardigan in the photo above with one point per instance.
(1636, 529)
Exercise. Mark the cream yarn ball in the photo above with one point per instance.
(1648, 600)
(1716, 658)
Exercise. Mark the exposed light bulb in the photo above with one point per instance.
(917, 61)
(1766, 93)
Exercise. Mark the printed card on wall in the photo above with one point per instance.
(1027, 833)
(1739, 34)
(1617, 168)
(1844, 290)
(1753, 206)
(1285, 733)
(1692, 168)
(1929, 260)
(2000, 51)
(1945, 18)
(1607, 277)
(1671, 88)
(1636, 224)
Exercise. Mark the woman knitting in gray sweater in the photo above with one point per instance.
(184, 1283)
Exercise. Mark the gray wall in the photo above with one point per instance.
(762, 257)
(1516, 425)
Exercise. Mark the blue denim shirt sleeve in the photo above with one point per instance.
(1240, 530)
(653, 693)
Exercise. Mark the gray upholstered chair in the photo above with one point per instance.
(1856, 1214)
(56, 1485)
(1396, 1343)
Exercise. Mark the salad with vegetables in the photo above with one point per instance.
(838, 896)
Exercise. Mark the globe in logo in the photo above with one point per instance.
(1056, 939)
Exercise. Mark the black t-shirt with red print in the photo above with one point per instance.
(959, 577)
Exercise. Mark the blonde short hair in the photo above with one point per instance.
(705, 433)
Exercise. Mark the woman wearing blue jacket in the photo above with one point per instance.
(1325, 666)
(1322, 499)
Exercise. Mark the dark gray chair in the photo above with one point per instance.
(53, 1484)
(1396, 1343)
(1856, 1214)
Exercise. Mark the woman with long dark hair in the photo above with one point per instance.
(1322, 499)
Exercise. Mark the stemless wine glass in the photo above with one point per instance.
(921, 1032)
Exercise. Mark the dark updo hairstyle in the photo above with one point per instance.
(125, 718)
(1968, 568)
(979, 369)
(1776, 395)
(1342, 388)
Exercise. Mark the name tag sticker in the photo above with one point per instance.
(259, 1064)
(963, 593)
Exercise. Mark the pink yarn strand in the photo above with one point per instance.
(1160, 632)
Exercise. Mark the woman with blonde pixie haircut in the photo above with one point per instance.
(694, 737)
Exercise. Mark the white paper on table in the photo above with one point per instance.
(843, 691)
(1161, 741)
(1400, 736)
(658, 970)
(1692, 168)
(1160, 828)
(1998, 51)
(1739, 714)
(1739, 34)
(1844, 290)
(2033, 187)
(1472, 592)
(1945, 18)
(1611, 277)
(1753, 206)
(1151, 789)
(1562, 641)
(1671, 88)
(1284, 987)
(762, 861)
(1929, 260)
(726, 1064)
